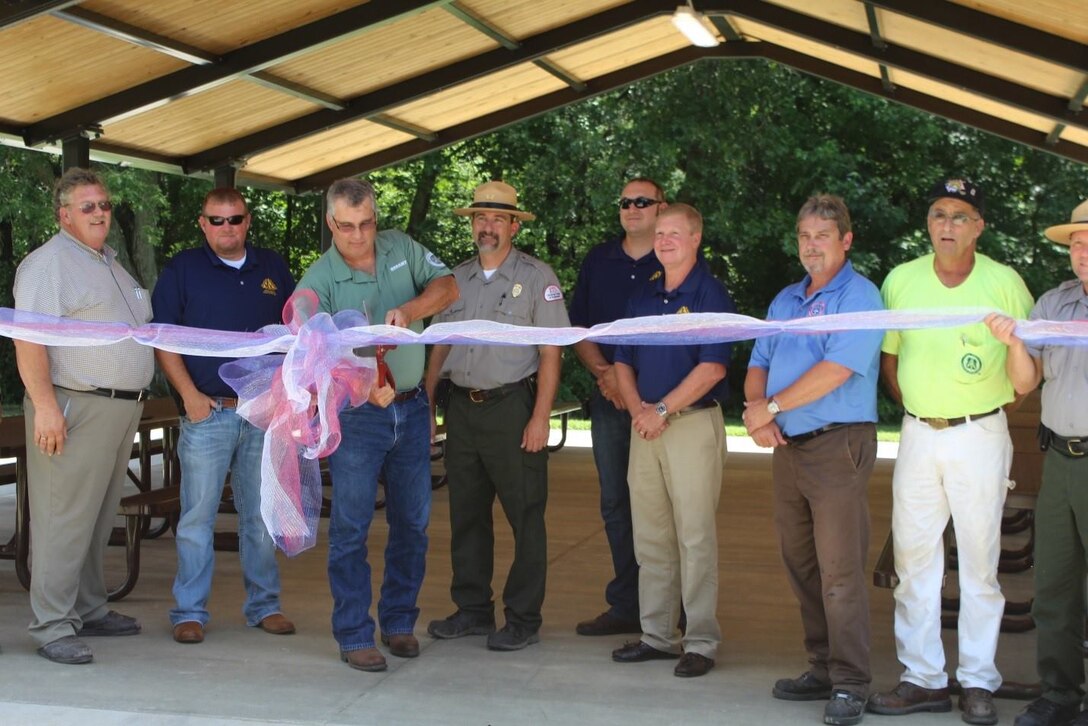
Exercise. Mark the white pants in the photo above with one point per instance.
(962, 471)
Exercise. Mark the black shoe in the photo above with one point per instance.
(69, 650)
(113, 623)
(461, 624)
(806, 687)
(693, 665)
(1044, 712)
(608, 624)
(844, 709)
(639, 652)
(512, 637)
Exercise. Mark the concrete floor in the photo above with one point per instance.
(242, 675)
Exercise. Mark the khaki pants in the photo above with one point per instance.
(675, 482)
(73, 504)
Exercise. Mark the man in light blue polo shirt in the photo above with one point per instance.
(396, 281)
(813, 399)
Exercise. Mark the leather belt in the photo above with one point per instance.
(222, 403)
(809, 435)
(140, 395)
(406, 395)
(944, 423)
(480, 395)
(702, 405)
(1073, 447)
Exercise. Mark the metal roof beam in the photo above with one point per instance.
(17, 11)
(723, 26)
(1006, 33)
(392, 122)
(249, 59)
(520, 112)
(879, 44)
(481, 24)
(137, 36)
(411, 89)
(924, 102)
(894, 56)
(314, 96)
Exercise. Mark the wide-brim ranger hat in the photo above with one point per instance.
(959, 188)
(495, 196)
(1078, 221)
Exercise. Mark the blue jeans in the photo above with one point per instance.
(611, 429)
(394, 443)
(207, 449)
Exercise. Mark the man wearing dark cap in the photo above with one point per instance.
(954, 457)
(497, 425)
(1061, 513)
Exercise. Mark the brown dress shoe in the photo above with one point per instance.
(909, 698)
(365, 659)
(977, 705)
(402, 645)
(189, 632)
(692, 665)
(277, 625)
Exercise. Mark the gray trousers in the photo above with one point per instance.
(73, 504)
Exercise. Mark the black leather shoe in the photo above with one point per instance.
(608, 624)
(806, 687)
(639, 652)
(693, 665)
(1044, 712)
(461, 624)
(844, 709)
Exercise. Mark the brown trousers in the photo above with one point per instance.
(822, 517)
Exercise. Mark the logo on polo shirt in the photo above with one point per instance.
(655, 276)
(971, 363)
(683, 309)
(269, 287)
(818, 308)
(433, 260)
(553, 293)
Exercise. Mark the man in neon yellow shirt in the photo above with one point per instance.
(954, 457)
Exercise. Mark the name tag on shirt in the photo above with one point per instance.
(399, 265)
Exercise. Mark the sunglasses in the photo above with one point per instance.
(233, 220)
(640, 202)
(88, 207)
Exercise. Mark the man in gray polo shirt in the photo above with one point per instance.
(1061, 513)
(82, 407)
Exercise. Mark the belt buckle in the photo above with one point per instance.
(1069, 447)
(476, 395)
(938, 424)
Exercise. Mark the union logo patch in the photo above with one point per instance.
(553, 293)
(818, 308)
(971, 363)
(655, 276)
(683, 310)
(269, 287)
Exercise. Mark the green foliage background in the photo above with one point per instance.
(746, 142)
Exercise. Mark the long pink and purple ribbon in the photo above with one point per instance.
(293, 379)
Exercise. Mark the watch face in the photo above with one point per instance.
(662, 409)
(772, 408)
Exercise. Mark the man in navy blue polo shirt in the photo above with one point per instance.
(611, 274)
(677, 455)
(813, 399)
(225, 284)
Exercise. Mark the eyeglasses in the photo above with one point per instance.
(958, 219)
(233, 220)
(640, 202)
(88, 207)
(348, 227)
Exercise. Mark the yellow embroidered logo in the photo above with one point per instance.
(655, 276)
(683, 309)
(269, 287)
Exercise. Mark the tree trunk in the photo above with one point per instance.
(433, 164)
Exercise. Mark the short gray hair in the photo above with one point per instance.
(826, 206)
(353, 191)
(74, 177)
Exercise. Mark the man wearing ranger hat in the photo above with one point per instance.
(497, 425)
(1061, 513)
(954, 457)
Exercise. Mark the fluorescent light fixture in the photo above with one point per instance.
(690, 23)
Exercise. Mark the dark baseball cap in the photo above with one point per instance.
(959, 188)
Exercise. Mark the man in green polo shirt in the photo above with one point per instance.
(396, 281)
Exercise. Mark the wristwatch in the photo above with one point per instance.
(773, 408)
(661, 409)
